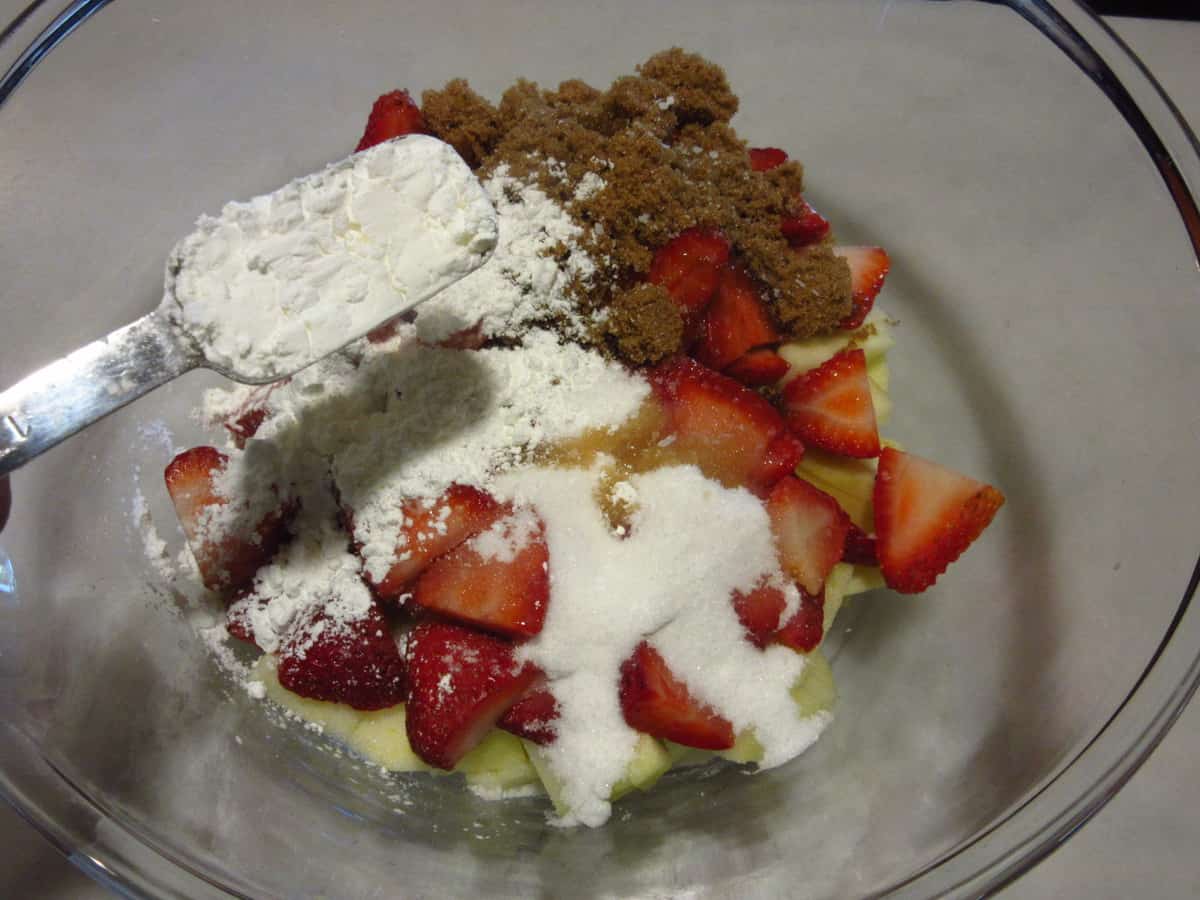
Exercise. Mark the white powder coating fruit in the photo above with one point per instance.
(453, 416)
(523, 284)
(691, 544)
(275, 283)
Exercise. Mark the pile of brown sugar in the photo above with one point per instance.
(636, 165)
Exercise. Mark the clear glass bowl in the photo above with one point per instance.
(1046, 281)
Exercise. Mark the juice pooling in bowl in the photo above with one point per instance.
(587, 514)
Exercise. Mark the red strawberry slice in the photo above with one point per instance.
(392, 115)
(763, 159)
(925, 517)
(759, 612)
(656, 703)
(238, 617)
(805, 226)
(831, 407)
(860, 548)
(533, 717)
(229, 561)
(758, 367)
(804, 630)
(355, 662)
(868, 268)
(727, 430)
(498, 580)
(782, 456)
(434, 528)
(461, 682)
(810, 531)
(687, 267)
(736, 321)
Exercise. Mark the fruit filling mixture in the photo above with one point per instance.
(589, 513)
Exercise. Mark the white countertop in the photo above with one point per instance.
(1142, 844)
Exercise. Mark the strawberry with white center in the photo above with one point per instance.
(730, 432)
(229, 539)
(868, 268)
(461, 682)
(831, 408)
(810, 531)
(655, 702)
(435, 527)
(925, 518)
(353, 661)
(498, 580)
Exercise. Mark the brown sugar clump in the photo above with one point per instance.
(462, 119)
(634, 166)
(643, 324)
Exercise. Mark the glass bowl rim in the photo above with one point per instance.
(987, 861)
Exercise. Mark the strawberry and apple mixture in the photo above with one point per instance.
(589, 513)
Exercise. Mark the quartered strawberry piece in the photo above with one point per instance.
(763, 159)
(804, 630)
(229, 561)
(810, 531)
(868, 268)
(461, 682)
(830, 407)
(656, 703)
(392, 115)
(498, 580)
(735, 322)
(727, 430)
(355, 662)
(433, 528)
(533, 717)
(759, 612)
(687, 267)
(238, 620)
(861, 548)
(805, 226)
(758, 367)
(925, 517)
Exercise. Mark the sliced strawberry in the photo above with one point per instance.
(759, 612)
(725, 429)
(355, 662)
(533, 717)
(238, 620)
(830, 407)
(925, 517)
(461, 682)
(804, 630)
(229, 560)
(763, 159)
(758, 367)
(498, 580)
(735, 322)
(810, 531)
(688, 267)
(782, 456)
(656, 703)
(433, 528)
(805, 226)
(868, 268)
(860, 548)
(392, 115)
